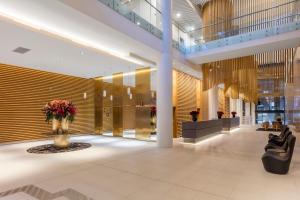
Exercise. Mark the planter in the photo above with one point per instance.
(61, 141)
(60, 130)
(194, 115)
(233, 114)
(220, 114)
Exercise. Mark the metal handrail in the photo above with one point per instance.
(260, 24)
(242, 16)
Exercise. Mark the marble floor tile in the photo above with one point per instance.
(225, 167)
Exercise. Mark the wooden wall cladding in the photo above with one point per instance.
(107, 108)
(143, 100)
(24, 92)
(186, 100)
(98, 99)
(117, 88)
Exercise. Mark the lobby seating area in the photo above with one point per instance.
(279, 152)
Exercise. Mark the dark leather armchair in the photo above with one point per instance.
(277, 144)
(284, 129)
(280, 140)
(279, 162)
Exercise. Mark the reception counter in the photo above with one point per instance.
(230, 123)
(195, 131)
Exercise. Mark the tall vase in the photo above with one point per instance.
(60, 129)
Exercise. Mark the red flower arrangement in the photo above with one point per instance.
(59, 109)
(220, 113)
(233, 113)
(153, 111)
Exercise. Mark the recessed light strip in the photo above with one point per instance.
(23, 20)
(126, 74)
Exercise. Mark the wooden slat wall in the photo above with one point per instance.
(187, 89)
(24, 92)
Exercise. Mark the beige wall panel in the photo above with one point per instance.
(24, 92)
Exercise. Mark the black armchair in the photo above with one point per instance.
(279, 141)
(284, 129)
(278, 145)
(279, 162)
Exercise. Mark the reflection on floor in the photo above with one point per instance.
(130, 134)
(225, 167)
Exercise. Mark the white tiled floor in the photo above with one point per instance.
(225, 167)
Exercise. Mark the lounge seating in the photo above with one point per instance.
(282, 147)
(265, 125)
(276, 125)
(278, 161)
(279, 141)
(284, 129)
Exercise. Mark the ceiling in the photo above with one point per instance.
(55, 55)
(189, 18)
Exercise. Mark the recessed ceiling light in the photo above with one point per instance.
(192, 28)
(138, 23)
(21, 50)
(178, 15)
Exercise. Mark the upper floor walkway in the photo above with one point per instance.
(255, 32)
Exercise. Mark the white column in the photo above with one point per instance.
(164, 82)
(213, 103)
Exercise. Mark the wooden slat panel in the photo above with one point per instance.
(23, 93)
(186, 98)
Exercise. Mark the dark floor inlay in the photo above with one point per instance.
(42, 194)
(50, 148)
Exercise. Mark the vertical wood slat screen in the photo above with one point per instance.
(187, 98)
(227, 17)
(24, 92)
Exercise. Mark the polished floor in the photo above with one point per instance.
(224, 167)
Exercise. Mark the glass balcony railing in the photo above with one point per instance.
(273, 21)
(273, 29)
(148, 18)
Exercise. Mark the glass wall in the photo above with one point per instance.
(270, 109)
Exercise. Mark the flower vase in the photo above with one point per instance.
(60, 129)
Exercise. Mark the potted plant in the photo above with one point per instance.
(220, 114)
(233, 114)
(194, 115)
(61, 112)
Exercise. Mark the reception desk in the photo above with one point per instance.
(194, 131)
(230, 123)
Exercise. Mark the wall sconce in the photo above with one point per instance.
(104, 93)
(152, 94)
(111, 97)
(130, 96)
(128, 91)
(84, 95)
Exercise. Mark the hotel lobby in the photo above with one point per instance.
(138, 99)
